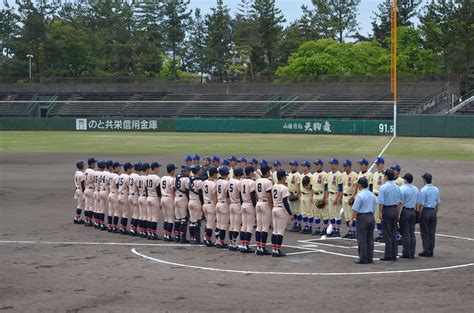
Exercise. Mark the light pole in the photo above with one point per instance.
(29, 56)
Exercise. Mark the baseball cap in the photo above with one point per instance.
(188, 158)
(363, 161)
(294, 163)
(333, 161)
(242, 159)
(347, 163)
(233, 158)
(427, 176)
(263, 162)
(101, 164)
(281, 174)
(238, 171)
(254, 161)
(224, 171)
(80, 164)
(380, 160)
(212, 171)
(265, 169)
(249, 170)
(116, 164)
(91, 160)
(184, 168)
(137, 166)
(277, 163)
(170, 167)
(195, 169)
(207, 158)
(109, 163)
(196, 157)
(318, 162)
(396, 167)
(155, 165)
(215, 158)
(306, 163)
(145, 166)
(127, 165)
(408, 177)
(225, 162)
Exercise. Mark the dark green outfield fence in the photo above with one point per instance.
(408, 125)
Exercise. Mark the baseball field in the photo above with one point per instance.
(49, 264)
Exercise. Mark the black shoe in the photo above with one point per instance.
(400, 242)
(380, 239)
(278, 254)
(348, 235)
(209, 243)
(324, 232)
(233, 248)
(406, 257)
(298, 228)
(264, 252)
(317, 232)
(132, 232)
(337, 234)
(102, 227)
(426, 255)
(294, 229)
(353, 236)
(360, 262)
(183, 240)
(387, 259)
(143, 235)
(177, 239)
(249, 250)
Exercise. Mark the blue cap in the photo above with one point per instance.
(224, 170)
(380, 160)
(306, 163)
(225, 162)
(212, 171)
(254, 161)
(281, 174)
(91, 160)
(101, 164)
(170, 167)
(363, 161)
(238, 171)
(127, 166)
(137, 166)
(145, 166)
(196, 157)
(396, 167)
(277, 163)
(347, 163)
(109, 163)
(249, 170)
(242, 159)
(188, 158)
(318, 162)
(265, 169)
(334, 161)
(116, 164)
(80, 165)
(215, 158)
(294, 163)
(233, 158)
(154, 165)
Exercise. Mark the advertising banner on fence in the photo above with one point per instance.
(117, 124)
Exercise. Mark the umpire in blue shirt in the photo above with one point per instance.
(390, 199)
(408, 216)
(428, 204)
(363, 212)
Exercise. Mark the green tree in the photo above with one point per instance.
(195, 59)
(245, 40)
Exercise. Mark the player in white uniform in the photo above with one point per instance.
(153, 201)
(103, 193)
(181, 200)
(249, 200)
(133, 198)
(97, 181)
(114, 208)
(196, 201)
(235, 207)
(142, 205)
(276, 168)
(167, 201)
(232, 165)
(89, 180)
(124, 203)
(281, 210)
(210, 201)
(222, 207)
(79, 182)
(263, 189)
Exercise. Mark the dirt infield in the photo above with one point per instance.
(50, 264)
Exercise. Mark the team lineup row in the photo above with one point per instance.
(229, 196)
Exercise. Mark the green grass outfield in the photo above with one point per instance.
(232, 143)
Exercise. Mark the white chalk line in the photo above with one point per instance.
(92, 243)
(134, 251)
(381, 152)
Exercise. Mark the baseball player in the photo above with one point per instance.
(97, 181)
(181, 189)
(188, 160)
(293, 182)
(235, 207)
(306, 197)
(123, 201)
(222, 207)
(89, 180)
(215, 161)
(114, 209)
(377, 181)
(346, 190)
(104, 192)
(167, 201)
(242, 162)
(320, 210)
(196, 200)
(232, 164)
(280, 194)
(364, 167)
(79, 193)
(396, 170)
(276, 167)
(196, 160)
(263, 209)
(206, 163)
(153, 201)
(133, 198)
(332, 200)
(249, 200)
(210, 201)
(142, 205)
(254, 164)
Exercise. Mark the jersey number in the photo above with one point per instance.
(243, 189)
(259, 187)
(219, 189)
(149, 183)
(231, 187)
(275, 192)
(163, 185)
(206, 189)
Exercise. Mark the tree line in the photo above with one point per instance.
(151, 38)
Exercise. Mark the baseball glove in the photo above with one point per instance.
(351, 201)
(320, 204)
(306, 181)
(293, 197)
